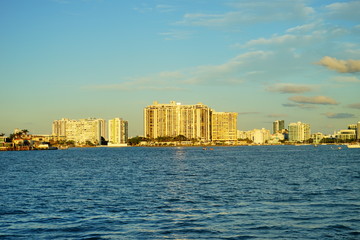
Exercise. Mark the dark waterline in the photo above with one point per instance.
(263, 192)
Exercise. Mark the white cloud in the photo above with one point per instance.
(349, 79)
(277, 115)
(165, 8)
(274, 40)
(354, 105)
(162, 81)
(253, 12)
(289, 88)
(176, 35)
(342, 66)
(339, 115)
(231, 72)
(302, 28)
(322, 100)
(344, 10)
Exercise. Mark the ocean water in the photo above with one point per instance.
(247, 192)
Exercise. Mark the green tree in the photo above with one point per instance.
(180, 138)
(136, 140)
(25, 131)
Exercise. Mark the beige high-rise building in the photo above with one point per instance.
(174, 119)
(299, 132)
(80, 131)
(224, 126)
(118, 131)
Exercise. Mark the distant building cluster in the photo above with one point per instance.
(196, 122)
(91, 131)
(172, 124)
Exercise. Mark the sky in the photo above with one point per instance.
(266, 60)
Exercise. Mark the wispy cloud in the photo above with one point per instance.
(354, 105)
(302, 28)
(344, 10)
(342, 66)
(230, 72)
(276, 115)
(226, 74)
(346, 79)
(162, 8)
(302, 106)
(248, 113)
(322, 100)
(256, 11)
(163, 81)
(339, 115)
(176, 35)
(165, 8)
(289, 88)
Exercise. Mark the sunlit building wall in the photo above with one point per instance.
(174, 119)
(224, 126)
(317, 137)
(299, 132)
(347, 134)
(118, 131)
(260, 136)
(59, 127)
(80, 131)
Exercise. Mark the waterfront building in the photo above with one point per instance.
(174, 119)
(358, 131)
(277, 138)
(224, 126)
(242, 135)
(299, 132)
(317, 137)
(59, 127)
(346, 135)
(278, 126)
(260, 136)
(80, 131)
(118, 132)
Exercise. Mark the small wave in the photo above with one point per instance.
(239, 237)
(13, 212)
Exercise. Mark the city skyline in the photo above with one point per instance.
(297, 61)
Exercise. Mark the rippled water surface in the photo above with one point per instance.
(264, 192)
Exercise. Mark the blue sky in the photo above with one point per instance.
(294, 60)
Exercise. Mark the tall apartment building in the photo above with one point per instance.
(278, 125)
(299, 132)
(80, 131)
(118, 131)
(224, 126)
(174, 119)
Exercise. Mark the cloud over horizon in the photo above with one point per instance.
(322, 100)
(354, 105)
(289, 88)
(339, 115)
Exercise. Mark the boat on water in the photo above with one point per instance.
(353, 145)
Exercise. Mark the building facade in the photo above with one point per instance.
(260, 136)
(299, 132)
(224, 126)
(174, 119)
(346, 135)
(80, 131)
(278, 126)
(118, 131)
